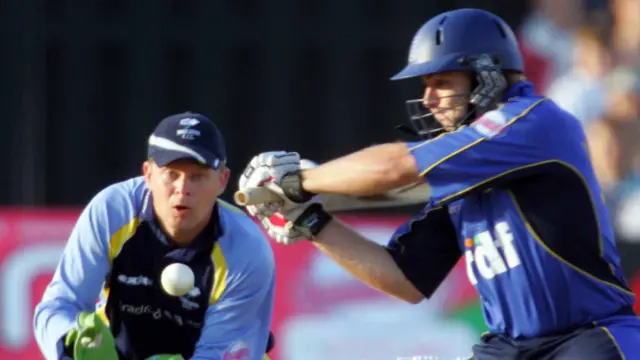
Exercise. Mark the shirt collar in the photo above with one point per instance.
(521, 88)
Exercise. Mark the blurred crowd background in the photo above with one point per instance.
(585, 55)
(85, 82)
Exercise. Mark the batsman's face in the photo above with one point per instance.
(446, 95)
(184, 193)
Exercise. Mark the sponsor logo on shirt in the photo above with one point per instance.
(188, 302)
(491, 123)
(157, 314)
(135, 280)
(491, 257)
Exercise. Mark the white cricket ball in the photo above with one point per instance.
(177, 279)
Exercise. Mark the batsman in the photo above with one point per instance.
(127, 240)
(513, 193)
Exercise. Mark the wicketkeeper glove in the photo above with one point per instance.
(91, 339)
(166, 357)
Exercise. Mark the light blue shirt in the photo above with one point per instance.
(242, 296)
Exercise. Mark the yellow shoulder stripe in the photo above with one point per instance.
(121, 236)
(220, 274)
(230, 207)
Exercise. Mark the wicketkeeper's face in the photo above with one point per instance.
(446, 95)
(184, 193)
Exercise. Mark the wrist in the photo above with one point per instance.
(313, 220)
(291, 184)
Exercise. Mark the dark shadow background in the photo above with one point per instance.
(85, 82)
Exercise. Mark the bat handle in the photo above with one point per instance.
(253, 196)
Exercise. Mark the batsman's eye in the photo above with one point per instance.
(441, 83)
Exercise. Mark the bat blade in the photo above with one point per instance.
(404, 196)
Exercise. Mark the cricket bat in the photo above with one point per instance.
(403, 196)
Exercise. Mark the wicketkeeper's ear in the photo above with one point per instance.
(225, 174)
(146, 170)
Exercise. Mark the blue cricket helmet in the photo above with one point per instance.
(461, 40)
(445, 42)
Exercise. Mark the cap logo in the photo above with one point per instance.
(187, 132)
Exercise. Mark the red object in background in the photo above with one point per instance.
(30, 245)
(292, 272)
(635, 287)
(536, 67)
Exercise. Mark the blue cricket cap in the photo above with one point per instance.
(187, 136)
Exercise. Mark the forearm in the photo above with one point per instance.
(52, 321)
(365, 260)
(370, 171)
(73, 289)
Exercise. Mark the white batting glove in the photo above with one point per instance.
(280, 229)
(267, 169)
